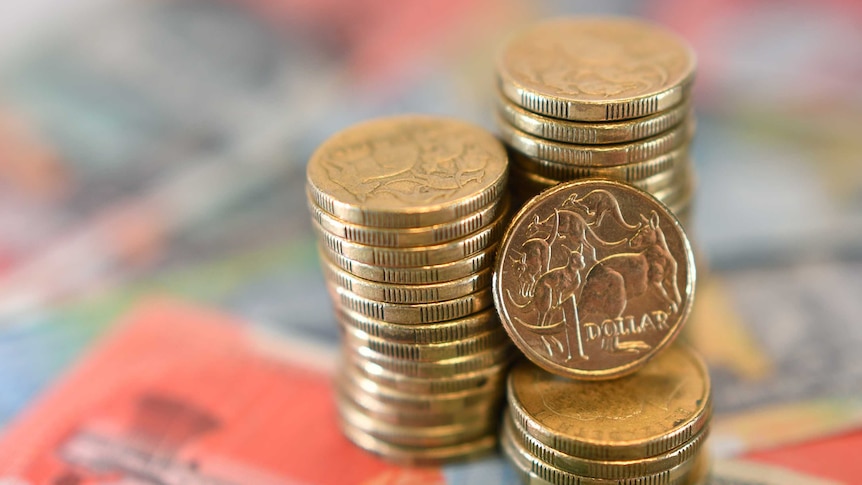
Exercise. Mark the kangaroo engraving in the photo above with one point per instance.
(614, 280)
(534, 260)
(599, 204)
(555, 290)
(568, 231)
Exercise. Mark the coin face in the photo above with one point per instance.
(645, 414)
(407, 171)
(593, 279)
(595, 69)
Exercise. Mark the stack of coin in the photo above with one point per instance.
(648, 427)
(598, 97)
(594, 281)
(409, 212)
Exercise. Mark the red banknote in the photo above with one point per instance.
(181, 395)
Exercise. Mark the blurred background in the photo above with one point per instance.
(158, 148)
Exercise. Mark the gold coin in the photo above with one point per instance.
(420, 313)
(368, 406)
(407, 171)
(420, 456)
(597, 155)
(534, 471)
(656, 410)
(429, 436)
(413, 237)
(427, 352)
(701, 470)
(379, 396)
(605, 469)
(593, 279)
(626, 173)
(439, 369)
(672, 178)
(595, 69)
(406, 294)
(415, 257)
(581, 133)
(482, 379)
(435, 333)
(415, 276)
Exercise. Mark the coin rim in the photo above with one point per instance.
(595, 133)
(605, 469)
(679, 475)
(430, 255)
(628, 172)
(419, 456)
(597, 156)
(594, 110)
(410, 237)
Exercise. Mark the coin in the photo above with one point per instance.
(421, 313)
(630, 172)
(649, 413)
(413, 237)
(427, 352)
(534, 471)
(415, 257)
(368, 406)
(425, 436)
(407, 171)
(380, 396)
(595, 69)
(597, 155)
(701, 470)
(593, 279)
(456, 383)
(417, 275)
(669, 179)
(439, 369)
(420, 456)
(434, 333)
(406, 294)
(581, 133)
(604, 469)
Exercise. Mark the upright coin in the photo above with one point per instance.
(659, 409)
(593, 279)
(407, 171)
(595, 69)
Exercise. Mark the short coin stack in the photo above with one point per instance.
(598, 97)
(409, 212)
(648, 427)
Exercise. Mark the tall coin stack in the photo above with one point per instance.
(409, 212)
(598, 97)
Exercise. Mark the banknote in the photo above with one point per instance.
(180, 394)
(736, 472)
(834, 458)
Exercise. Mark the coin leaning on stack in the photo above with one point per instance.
(598, 97)
(648, 427)
(409, 211)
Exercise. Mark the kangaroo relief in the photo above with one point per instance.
(593, 278)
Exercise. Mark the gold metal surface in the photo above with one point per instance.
(658, 409)
(581, 133)
(593, 279)
(407, 171)
(595, 69)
